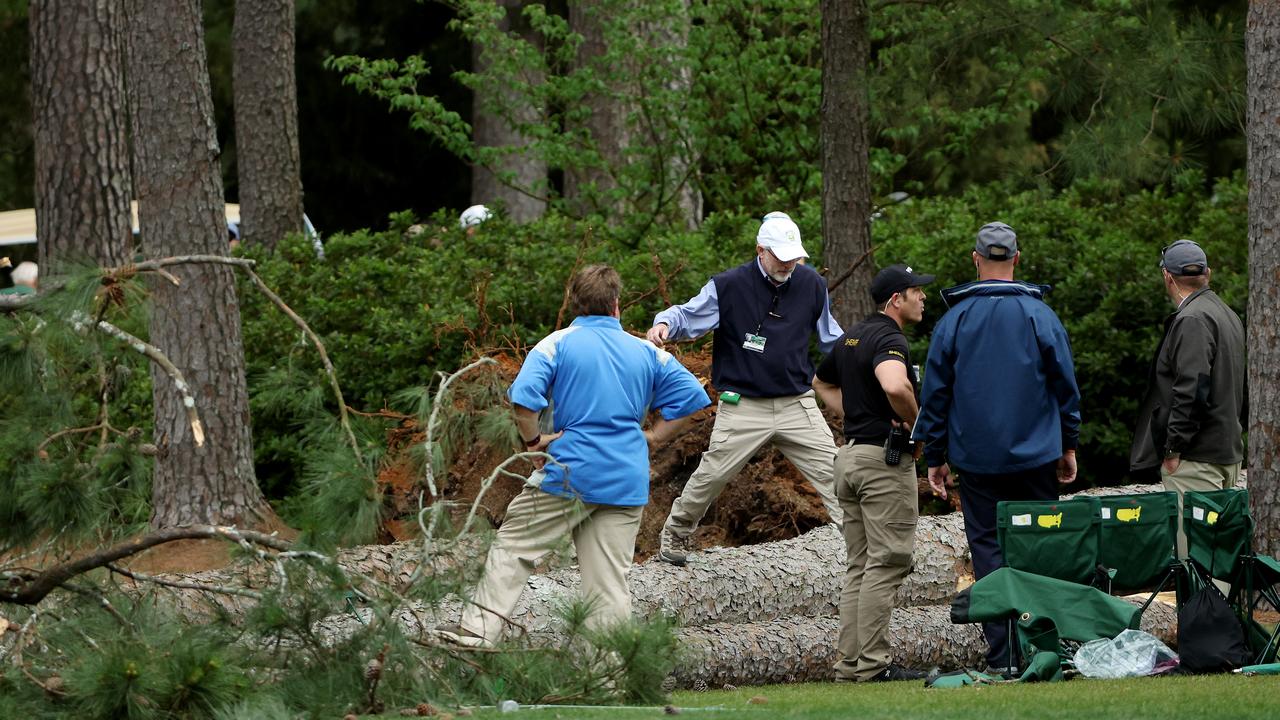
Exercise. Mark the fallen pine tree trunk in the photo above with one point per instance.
(802, 649)
(800, 576)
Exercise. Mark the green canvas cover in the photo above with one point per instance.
(1078, 612)
(1139, 538)
(1257, 587)
(1218, 526)
(1059, 539)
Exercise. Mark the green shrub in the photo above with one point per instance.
(1100, 252)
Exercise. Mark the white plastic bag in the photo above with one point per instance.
(1132, 653)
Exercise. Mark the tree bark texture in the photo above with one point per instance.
(846, 184)
(266, 107)
(82, 174)
(606, 124)
(523, 195)
(198, 322)
(612, 131)
(1262, 53)
(753, 583)
(800, 649)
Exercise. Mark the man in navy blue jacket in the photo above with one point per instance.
(1000, 402)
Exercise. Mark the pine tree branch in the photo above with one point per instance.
(161, 263)
(434, 419)
(182, 585)
(155, 355)
(29, 588)
(847, 273)
(324, 358)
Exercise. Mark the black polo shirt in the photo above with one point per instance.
(852, 366)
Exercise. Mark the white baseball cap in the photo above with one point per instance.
(473, 216)
(779, 234)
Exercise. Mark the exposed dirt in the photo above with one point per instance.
(768, 500)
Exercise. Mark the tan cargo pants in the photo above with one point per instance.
(1200, 477)
(794, 425)
(536, 523)
(880, 506)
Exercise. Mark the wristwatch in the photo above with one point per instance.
(533, 441)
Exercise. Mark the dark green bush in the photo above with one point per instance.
(395, 307)
(1100, 251)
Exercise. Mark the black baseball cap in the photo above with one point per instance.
(895, 279)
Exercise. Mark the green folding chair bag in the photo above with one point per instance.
(1218, 529)
(1139, 539)
(1058, 539)
(1256, 590)
(1079, 612)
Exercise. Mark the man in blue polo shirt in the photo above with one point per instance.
(603, 382)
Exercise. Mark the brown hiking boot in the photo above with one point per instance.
(672, 548)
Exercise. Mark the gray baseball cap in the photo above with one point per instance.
(996, 241)
(1184, 257)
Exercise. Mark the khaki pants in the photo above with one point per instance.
(793, 424)
(1197, 476)
(880, 510)
(603, 535)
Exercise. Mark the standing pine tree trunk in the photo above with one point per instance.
(266, 99)
(846, 184)
(197, 323)
(523, 194)
(1262, 50)
(81, 150)
(588, 185)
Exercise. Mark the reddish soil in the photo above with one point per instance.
(768, 500)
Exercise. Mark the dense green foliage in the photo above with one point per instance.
(394, 307)
(725, 97)
(317, 644)
(1099, 249)
(74, 417)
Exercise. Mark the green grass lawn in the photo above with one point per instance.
(1161, 698)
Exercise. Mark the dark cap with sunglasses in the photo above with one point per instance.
(895, 279)
(1184, 257)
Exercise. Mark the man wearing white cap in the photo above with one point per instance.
(764, 313)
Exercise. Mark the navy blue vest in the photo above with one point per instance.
(745, 297)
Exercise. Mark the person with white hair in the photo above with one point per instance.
(472, 217)
(764, 313)
(24, 276)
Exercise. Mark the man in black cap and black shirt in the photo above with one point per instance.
(869, 378)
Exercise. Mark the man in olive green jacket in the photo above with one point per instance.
(1191, 422)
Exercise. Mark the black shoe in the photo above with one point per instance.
(897, 672)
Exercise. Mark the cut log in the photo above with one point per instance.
(802, 649)
(796, 577)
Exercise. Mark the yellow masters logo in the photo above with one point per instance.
(1129, 514)
(1050, 521)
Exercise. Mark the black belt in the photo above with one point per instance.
(880, 441)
